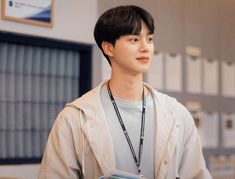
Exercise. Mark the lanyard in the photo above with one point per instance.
(125, 131)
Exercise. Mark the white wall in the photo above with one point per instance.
(20, 171)
(74, 21)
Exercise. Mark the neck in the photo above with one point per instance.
(127, 88)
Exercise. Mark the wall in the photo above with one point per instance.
(20, 171)
(74, 21)
(208, 24)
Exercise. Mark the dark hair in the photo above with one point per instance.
(119, 21)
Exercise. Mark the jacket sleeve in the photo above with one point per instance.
(192, 165)
(60, 160)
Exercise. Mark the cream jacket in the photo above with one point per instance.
(80, 143)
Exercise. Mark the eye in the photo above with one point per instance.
(150, 39)
(133, 40)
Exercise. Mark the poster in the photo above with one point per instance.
(155, 73)
(194, 74)
(210, 77)
(29, 11)
(228, 130)
(228, 79)
(173, 72)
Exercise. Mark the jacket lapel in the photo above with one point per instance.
(165, 132)
(96, 130)
(164, 135)
(99, 138)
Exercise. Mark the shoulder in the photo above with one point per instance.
(179, 111)
(181, 115)
(169, 102)
(85, 106)
(66, 119)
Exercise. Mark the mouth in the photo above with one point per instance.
(143, 59)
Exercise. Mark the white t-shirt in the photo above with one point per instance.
(131, 112)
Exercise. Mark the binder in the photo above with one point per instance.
(68, 89)
(36, 118)
(10, 116)
(19, 116)
(36, 143)
(36, 67)
(76, 65)
(10, 76)
(36, 74)
(19, 73)
(44, 116)
(52, 78)
(10, 143)
(44, 83)
(118, 174)
(19, 143)
(3, 61)
(28, 60)
(27, 116)
(2, 86)
(36, 91)
(51, 114)
(3, 146)
(44, 136)
(27, 143)
(61, 76)
(3, 116)
(69, 64)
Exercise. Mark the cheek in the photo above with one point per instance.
(126, 51)
(152, 48)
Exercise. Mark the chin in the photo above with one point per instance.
(139, 69)
(143, 70)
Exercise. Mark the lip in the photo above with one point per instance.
(143, 59)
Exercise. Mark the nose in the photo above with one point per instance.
(145, 46)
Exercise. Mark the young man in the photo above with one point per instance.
(124, 124)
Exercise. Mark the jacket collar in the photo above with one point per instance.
(100, 140)
(95, 128)
(165, 129)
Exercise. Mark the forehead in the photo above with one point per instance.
(144, 28)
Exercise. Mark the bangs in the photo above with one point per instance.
(131, 21)
(119, 21)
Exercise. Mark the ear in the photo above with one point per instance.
(107, 48)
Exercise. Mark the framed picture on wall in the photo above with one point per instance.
(35, 12)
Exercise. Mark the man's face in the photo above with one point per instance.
(132, 54)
